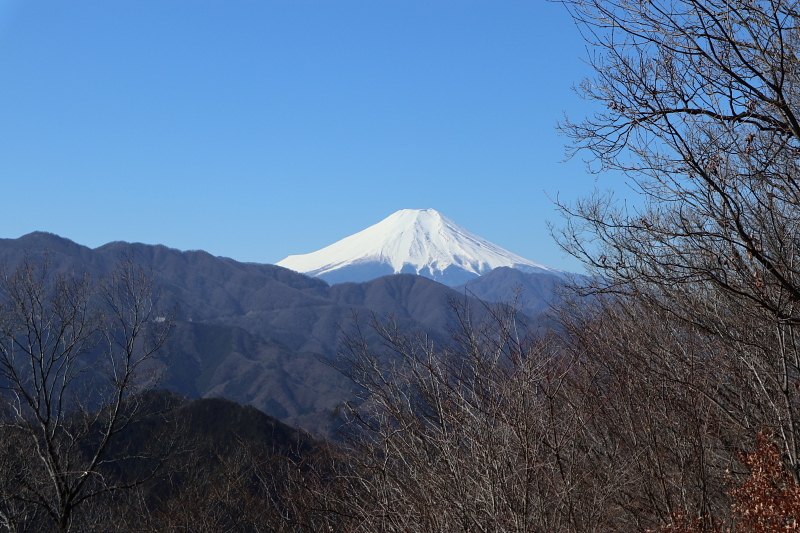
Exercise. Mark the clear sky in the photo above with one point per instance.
(260, 129)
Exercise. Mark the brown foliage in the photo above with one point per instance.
(768, 501)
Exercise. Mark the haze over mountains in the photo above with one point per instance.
(411, 241)
(260, 334)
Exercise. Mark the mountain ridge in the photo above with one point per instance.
(256, 333)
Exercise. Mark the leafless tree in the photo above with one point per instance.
(700, 110)
(75, 356)
(478, 435)
(651, 390)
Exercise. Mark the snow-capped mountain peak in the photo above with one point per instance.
(415, 241)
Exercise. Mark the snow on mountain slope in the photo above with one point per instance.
(413, 241)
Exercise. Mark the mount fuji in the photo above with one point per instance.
(411, 241)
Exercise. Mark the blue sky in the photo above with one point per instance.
(259, 129)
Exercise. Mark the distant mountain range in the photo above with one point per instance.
(531, 292)
(411, 241)
(259, 334)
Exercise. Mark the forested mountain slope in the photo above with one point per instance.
(258, 334)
